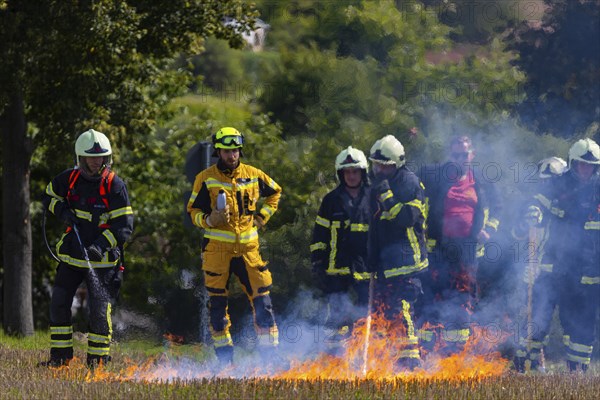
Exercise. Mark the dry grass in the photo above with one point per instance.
(21, 379)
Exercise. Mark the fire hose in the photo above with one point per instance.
(46, 238)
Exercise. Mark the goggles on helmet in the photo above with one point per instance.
(230, 141)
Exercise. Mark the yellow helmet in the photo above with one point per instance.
(388, 150)
(92, 143)
(351, 158)
(228, 138)
(585, 150)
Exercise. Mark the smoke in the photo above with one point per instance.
(506, 155)
(302, 337)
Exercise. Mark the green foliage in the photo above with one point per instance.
(103, 64)
(561, 56)
(362, 96)
(220, 65)
(479, 22)
(334, 73)
(114, 55)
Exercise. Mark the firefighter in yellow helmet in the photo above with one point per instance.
(397, 250)
(93, 201)
(339, 247)
(231, 240)
(570, 203)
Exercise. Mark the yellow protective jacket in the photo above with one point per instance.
(243, 187)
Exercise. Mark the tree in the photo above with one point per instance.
(560, 54)
(67, 66)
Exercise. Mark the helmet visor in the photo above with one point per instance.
(230, 141)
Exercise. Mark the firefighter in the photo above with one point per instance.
(230, 244)
(541, 243)
(339, 246)
(463, 209)
(397, 250)
(575, 201)
(93, 201)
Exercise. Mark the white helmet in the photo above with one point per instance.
(585, 150)
(551, 166)
(92, 143)
(388, 150)
(351, 158)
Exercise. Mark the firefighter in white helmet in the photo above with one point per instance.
(397, 250)
(542, 282)
(231, 244)
(570, 203)
(93, 201)
(339, 247)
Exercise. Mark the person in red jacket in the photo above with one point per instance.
(463, 215)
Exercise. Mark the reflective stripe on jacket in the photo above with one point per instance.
(397, 245)
(105, 219)
(340, 234)
(243, 188)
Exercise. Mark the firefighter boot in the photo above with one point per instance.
(93, 361)
(59, 357)
(224, 356)
(54, 363)
(519, 362)
(407, 364)
(576, 367)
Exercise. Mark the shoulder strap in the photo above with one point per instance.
(72, 179)
(106, 186)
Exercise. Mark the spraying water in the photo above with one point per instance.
(93, 276)
(368, 324)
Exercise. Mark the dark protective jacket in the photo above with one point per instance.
(397, 231)
(103, 212)
(339, 243)
(571, 206)
(438, 179)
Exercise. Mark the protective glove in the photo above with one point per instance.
(259, 222)
(94, 252)
(381, 188)
(218, 218)
(68, 217)
(533, 216)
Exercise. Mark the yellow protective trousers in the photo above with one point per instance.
(219, 261)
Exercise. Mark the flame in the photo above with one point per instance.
(476, 361)
(174, 339)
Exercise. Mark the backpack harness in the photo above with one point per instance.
(105, 186)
